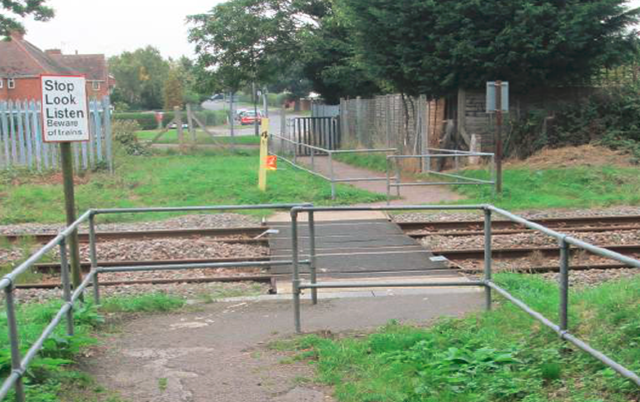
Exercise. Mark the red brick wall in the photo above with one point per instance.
(29, 88)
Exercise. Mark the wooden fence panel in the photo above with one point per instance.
(21, 143)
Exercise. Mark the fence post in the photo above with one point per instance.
(398, 178)
(564, 285)
(295, 282)
(66, 283)
(312, 252)
(94, 259)
(332, 177)
(487, 256)
(313, 160)
(16, 360)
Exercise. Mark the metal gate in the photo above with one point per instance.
(321, 132)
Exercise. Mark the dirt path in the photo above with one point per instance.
(410, 195)
(220, 352)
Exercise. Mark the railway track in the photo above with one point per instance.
(475, 227)
(218, 233)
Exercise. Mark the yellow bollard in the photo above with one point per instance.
(264, 152)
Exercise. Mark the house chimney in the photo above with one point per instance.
(17, 35)
(53, 51)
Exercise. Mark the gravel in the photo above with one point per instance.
(224, 220)
(529, 214)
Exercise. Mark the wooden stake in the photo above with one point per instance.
(70, 210)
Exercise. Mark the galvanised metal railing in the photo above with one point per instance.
(291, 148)
(565, 241)
(436, 154)
(20, 364)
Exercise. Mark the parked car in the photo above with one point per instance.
(174, 125)
(240, 112)
(250, 117)
(217, 97)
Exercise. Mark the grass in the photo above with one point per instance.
(171, 137)
(502, 355)
(576, 187)
(51, 377)
(170, 179)
(373, 161)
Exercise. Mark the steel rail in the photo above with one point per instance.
(602, 229)
(510, 253)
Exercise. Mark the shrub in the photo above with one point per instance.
(146, 121)
(124, 132)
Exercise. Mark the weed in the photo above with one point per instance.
(502, 355)
(152, 302)
(162, 384)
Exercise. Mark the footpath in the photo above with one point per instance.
(414, 195)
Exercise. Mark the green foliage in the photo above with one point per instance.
(503, 355)
(578, 187)
(435, 47)
(153, 302)
(171, 137)
(173, 91)
(201, 178)
(10, 11)
(140, 76)
(124, 132)
(146, 121)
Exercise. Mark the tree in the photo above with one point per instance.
(434, 47)
(140, 78)
(173, 90)
(244, 41)
(11, 10)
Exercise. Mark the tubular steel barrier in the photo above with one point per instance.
(487, 283)
(292, 149)
(19, 365)
(395, 179)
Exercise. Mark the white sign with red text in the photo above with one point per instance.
(65, 115)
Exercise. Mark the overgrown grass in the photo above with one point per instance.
(373, 161)
(171, 137)
(503, 355)
(51, 377)
(170, 179)
(577, 187)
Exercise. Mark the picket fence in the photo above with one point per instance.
(21, 143)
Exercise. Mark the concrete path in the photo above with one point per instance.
(410, 195)
(219, 353)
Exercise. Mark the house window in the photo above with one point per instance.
(96, 85)
(11, 83)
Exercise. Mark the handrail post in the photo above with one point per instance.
(313, 159)
(16, 360)
(487, 257)
(397, 165)
(312, 257)
(388, 181)
(332, 177)
(94, 259)
(66, 285)
(295, 282)
(564, 285)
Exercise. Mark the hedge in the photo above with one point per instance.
(147, 121)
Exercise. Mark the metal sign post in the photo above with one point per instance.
(65, 119)
(498, 102)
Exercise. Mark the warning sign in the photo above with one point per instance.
(272, 162)
(64, 109)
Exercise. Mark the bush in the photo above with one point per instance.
(146, 121)
(611, 117)
(124, 132)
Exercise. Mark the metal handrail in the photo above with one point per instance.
(565, 241)
(19, 365)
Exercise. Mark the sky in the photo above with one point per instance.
(113, 26)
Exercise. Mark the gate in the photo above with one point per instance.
(321, 132)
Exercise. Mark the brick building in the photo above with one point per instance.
(22, 63)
